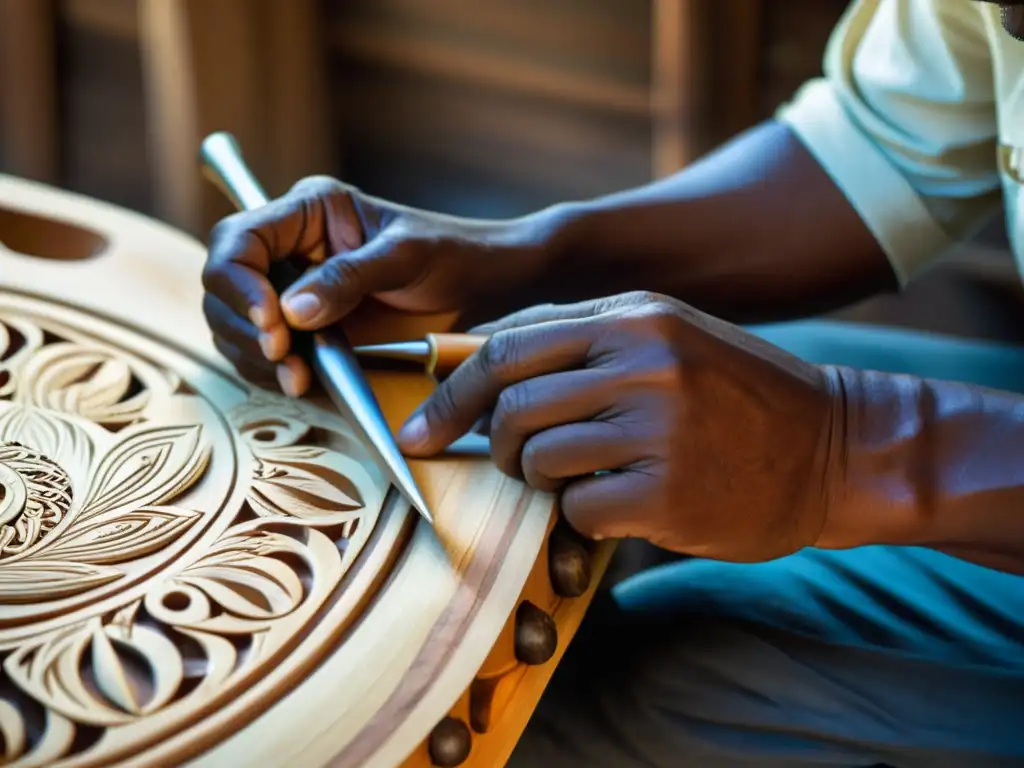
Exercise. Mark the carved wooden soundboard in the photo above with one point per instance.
(196, 572)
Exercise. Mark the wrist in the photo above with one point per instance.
(873, 477)
(546, 234)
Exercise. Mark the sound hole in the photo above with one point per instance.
(45, 238)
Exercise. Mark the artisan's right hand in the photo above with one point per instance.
(348, 246)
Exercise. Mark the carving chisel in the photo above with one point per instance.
(333, 360)
(439, 353)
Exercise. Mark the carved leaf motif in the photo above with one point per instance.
(61, 440)
(147, 467)
(115, 681)
(28, 581)
(12, 354)
(246, 580)
(121, 537)
(85, 381)
(12, 730)
(132, 443)
(110, 693)
(302, 481)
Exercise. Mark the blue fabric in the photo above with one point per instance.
(876, 656)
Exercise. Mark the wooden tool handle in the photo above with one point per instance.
(449, 350)
(222, 163)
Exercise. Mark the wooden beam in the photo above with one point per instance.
(168, 69)
(679, 53)
(298, 120)
(250, 67)
(28, 90)
(739, 65)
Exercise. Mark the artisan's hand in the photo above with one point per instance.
(346, 246)
(708, 440)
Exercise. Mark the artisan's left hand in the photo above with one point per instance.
(654, 421)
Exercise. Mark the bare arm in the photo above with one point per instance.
(929, 463)
(756, 231)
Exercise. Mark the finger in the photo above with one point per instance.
(346, 222)
(506, 358)
(243, 246)
(604, 506)
(250, 341)
(547, 313)
(329, 292)
(552, 457)
(540, 403)
(252, 368)
(294, 376)
(247, 292)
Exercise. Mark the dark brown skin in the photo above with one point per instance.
(751, 251)
(705, 439)
(1013, 18)
(682, 411)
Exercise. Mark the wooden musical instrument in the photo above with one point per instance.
(194, 571)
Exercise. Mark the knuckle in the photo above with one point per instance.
(532, 459)
(210, 311)
(213, 277)
(656, 323)
(512, 404)
(662, 373)
(500, 354)
(339, 271)
(657, 314)
(318, 185)
(642, 298)
(441, 405)
(225, 229)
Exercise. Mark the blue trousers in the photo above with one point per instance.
(890, 656)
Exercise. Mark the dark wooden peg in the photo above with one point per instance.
(568, 566)
(536, 637)
(450, 743)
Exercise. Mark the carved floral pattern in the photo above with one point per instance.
(35, 495)
(143, 595)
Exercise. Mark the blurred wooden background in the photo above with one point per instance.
(488, 107)
(476, 107)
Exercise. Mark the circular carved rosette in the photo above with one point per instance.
(164, 546)
(35, 495)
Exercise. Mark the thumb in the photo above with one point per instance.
(326, 293)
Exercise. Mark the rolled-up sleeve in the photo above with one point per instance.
(905, 122)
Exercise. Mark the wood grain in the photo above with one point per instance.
(196, 572)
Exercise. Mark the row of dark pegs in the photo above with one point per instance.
(536, 634)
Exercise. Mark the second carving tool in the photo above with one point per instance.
(439, 353)
(333, 359)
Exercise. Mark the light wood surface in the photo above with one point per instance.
(193, 572)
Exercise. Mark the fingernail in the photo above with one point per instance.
(286, 379)
(304, 307)
(270, 344)
(414, 432)
(258, 317)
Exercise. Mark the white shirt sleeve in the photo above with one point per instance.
(905, 122)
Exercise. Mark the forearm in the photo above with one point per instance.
(754, 232)
(928, 463)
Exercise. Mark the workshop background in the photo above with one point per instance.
(476, 107)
